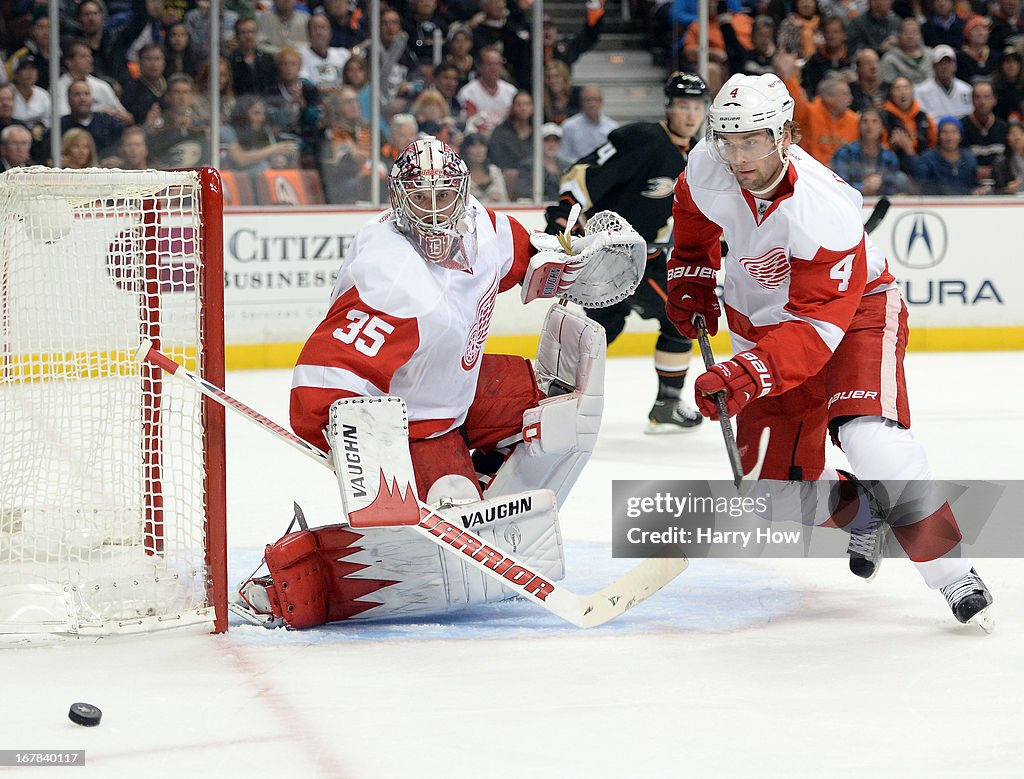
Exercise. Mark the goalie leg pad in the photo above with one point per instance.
(338, 573)
(571, 352)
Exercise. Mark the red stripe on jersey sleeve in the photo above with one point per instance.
(522, 251)
(696, 239)
(353, 337)
(826, 289)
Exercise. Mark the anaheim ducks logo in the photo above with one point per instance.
(659, 187)
(478, 332)
(769, 269)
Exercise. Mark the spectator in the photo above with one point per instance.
(180, 141)
(911, 130)
(798, 32)
(551, 166)
(1009, 172)
(78, 67)
(78, 150)
(826, 123)
(948, 169)
(908, 58)
(718, 59)
(1007, 26)
(7, 107)
(1009, 87)
(588, 130)
(105, 129)
(459, 52)
(984, 133)
(31, 103)
(134, 152)
(282, 26)
(867, 89)
(831, 57)
(198, 23)
(877, 29)
(487, 99)
(495, 27)
(754, 61)
(37, 44)
(347, 149)
(512, 140)
(446, 81)
(866, 165)
(561, 98)
(251, 143)
(322, 64)
(943, 26)
(486, 182)
(145, 25)
(944, 94)
(15, 146)
(974, 60)
(401, 75)
(252, 69)
(293, 106)
(142, 95)
(93, 30)
(434, 118)
(402, 130)
(571, 48)
(179, 53)
(227, 92)
(421, 24)
(349, 23)
(842, 9)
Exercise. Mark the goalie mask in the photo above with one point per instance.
(429, 192)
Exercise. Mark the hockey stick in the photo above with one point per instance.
(584, 611)
(877, 214)
(731, 448)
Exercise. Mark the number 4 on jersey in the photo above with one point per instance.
(365, 332)
(843, 270)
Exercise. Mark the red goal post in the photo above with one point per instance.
(112, 480)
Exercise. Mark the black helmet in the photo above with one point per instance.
(681, 84)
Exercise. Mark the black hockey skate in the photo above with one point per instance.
(670, 416)
(969, 599)
(867, 547)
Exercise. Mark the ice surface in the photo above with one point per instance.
(738, 668)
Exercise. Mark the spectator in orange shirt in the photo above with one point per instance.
(718, 57)
(826, 122)
(911, 131)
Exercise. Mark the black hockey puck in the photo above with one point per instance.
(85, 714)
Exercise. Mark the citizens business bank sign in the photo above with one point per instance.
(958, 261)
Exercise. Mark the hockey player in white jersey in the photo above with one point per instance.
(818, 325)
(408, 318)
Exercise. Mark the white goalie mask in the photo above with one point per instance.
(746, 104)
(429, 192)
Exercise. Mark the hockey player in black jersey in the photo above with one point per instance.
(634, 174)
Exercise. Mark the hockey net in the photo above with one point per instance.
(111, 478)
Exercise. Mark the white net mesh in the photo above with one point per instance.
(103, 499)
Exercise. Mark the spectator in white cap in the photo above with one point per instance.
(551, 166)
(587, 130)
(944, 94)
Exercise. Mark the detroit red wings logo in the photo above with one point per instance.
(770, 269)
(481, 326)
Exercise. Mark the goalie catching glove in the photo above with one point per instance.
(603, 267)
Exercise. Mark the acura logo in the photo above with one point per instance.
(919, 239)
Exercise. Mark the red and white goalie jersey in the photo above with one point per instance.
(797, 266)
(416, 331)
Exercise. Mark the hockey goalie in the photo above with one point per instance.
(492, 440)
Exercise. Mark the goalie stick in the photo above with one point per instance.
(584, 611)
